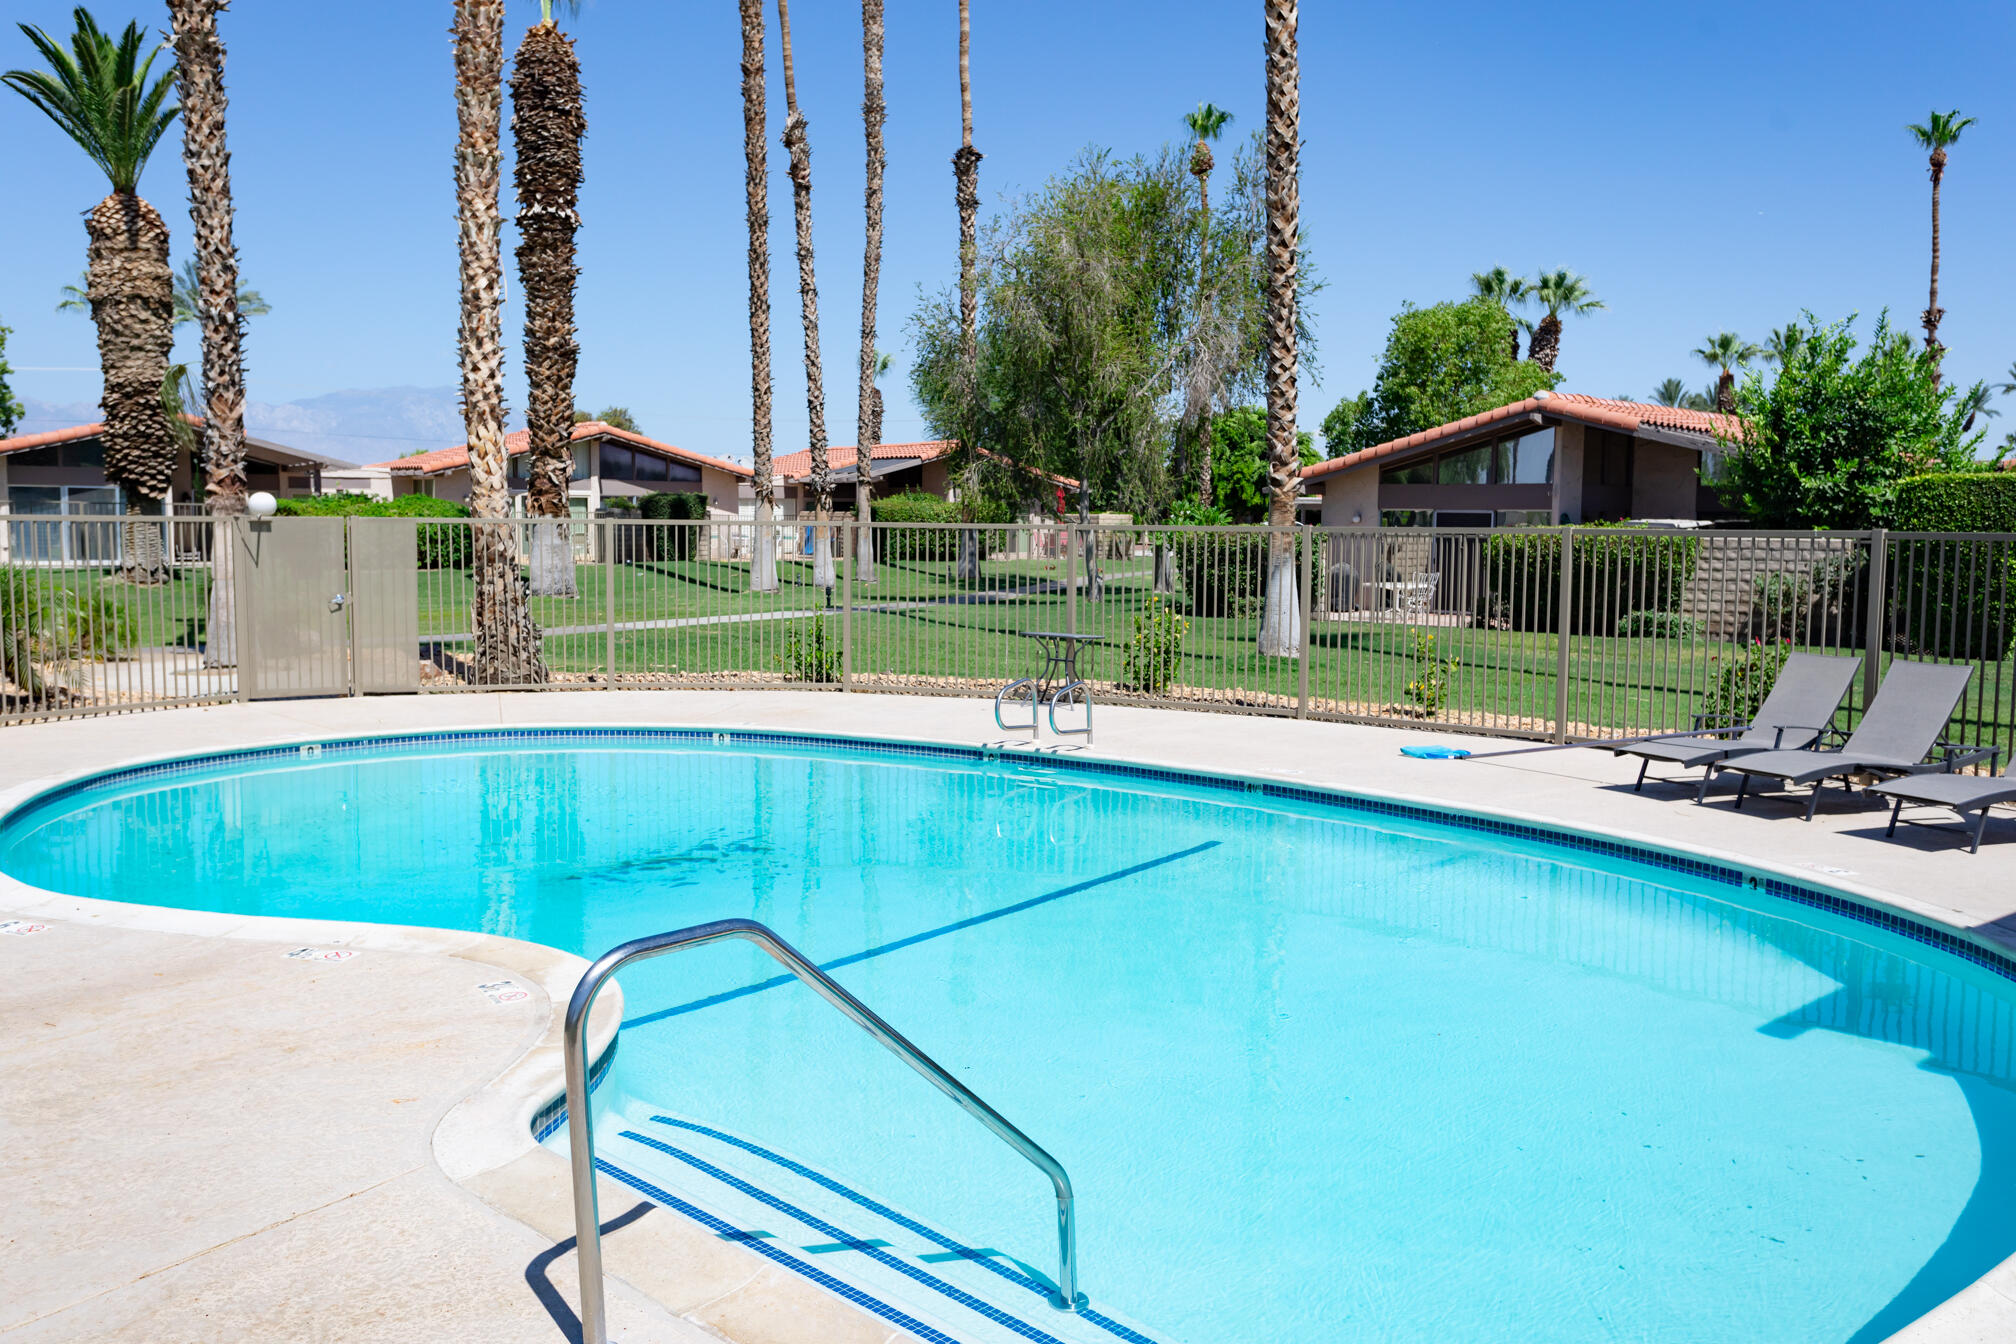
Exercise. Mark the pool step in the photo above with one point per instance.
(884, 1260)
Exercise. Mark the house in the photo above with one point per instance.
(1553, 458)
(62, 471)
(897, 468)
(610, 464)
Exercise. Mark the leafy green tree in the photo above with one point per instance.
(1728, 352)
(616, 417)
(1441, 364)
(1239, 466)
(1826, 442)
(10, 409)
(1938, 132)
(1342, 423)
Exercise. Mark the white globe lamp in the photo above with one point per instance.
(261, 504)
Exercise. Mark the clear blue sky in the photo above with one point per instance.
(1706, 167)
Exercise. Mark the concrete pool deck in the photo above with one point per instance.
(209, 1140)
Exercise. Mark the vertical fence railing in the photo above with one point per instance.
(1547, 633)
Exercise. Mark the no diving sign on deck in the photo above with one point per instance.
(504, 991)
(321, 954)
(20, 928)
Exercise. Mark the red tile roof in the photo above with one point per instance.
(795, 467)
(23, 442)
(450, 459)
(1604, 412)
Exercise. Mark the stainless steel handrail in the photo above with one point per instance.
(580, 1119)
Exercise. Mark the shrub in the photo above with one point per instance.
(1152, 656)
(941, 542)
(441, 545)
(1745, 678)
(1952, 598)
(43, 623)
(1618, 573)
(1428, 689)
(1659, 625)
(641, 544)
(810, 656)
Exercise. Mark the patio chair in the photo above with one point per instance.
(1962, 793)
(1418, 592)
(1898, 731)
(1798, 709)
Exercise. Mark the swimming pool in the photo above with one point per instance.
(1318, 1070)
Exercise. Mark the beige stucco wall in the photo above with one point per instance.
(1355, 490)
(1663, 481)
(1568, 472)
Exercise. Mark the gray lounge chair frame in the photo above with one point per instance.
(1901, 727)
(1962, 793)
(1803, 700)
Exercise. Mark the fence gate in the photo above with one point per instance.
(384, 605)
(293, 595)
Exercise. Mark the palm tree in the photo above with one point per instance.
(867, 419)
(1939, 130)
(1728, 352)
(1281, 627)
(507, 642)
(547, 123)
(1558, 292)
(208, 289)
(756, 182)
(1671, 392)
(1782, 344)
(101, 94)
(1977, 405)
(1207, 123)
(799, 146)
(966, 196)
(1504, 289)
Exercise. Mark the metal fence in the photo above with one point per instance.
(1544, 633)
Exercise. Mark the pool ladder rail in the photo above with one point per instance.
(581, 1124)
(1059, 696)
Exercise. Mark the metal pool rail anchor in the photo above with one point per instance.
(580, 1119)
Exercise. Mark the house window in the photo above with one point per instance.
(1470, 467)
(1406, 518)
(1524, 517)
(1531, 459)
(1414, 473)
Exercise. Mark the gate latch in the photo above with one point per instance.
(336, 602)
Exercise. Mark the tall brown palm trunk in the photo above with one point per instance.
(868, 420)
(966, 195)
(199, 57)
(133, 304)
(755, 154)
(547, 123)
(799, 146)
(507, 642)
(1544, 346)
(1281, 627)
(1933, 312)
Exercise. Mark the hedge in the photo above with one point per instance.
(440, 546)
(1951, 599)
(895, 542)
(636, 544)
(1617, 575)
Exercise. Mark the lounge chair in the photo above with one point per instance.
(1898, 731)
(1801, 704)
(1962, 793)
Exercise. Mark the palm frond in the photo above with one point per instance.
(1208, 122)
(101, 92)
(1939, 129)
(1563, 291)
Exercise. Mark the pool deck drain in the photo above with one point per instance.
(208, 1139)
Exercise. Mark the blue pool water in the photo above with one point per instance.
(1318, 1073)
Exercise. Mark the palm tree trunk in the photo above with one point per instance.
(133, 305)
(1933, 312)
(199, 58)
(799, 146)
(868, 429)
(966, 195)
(1281, 627)
(507, 642)
(1725, 392)
(1545, 346)
(547, 123)
(755, 155)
